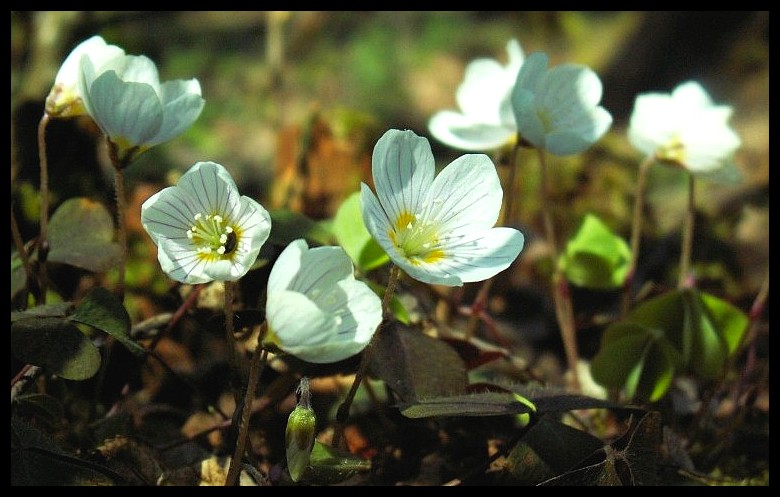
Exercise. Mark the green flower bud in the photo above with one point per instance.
(299, 435)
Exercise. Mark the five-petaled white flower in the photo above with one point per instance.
(316, 310)
(203, 228)
(438, 230)
(684, 128)
(486, 121)
(132, 108)
(557, 109)
(64, 99)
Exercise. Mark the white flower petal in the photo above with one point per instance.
(529, 125)
(212, 186)
(181, 263)
(325, 267)
(459, 131)
(403, 169)
(485, 255)
(364, 303)
(465, 193)
(168, 213)
(129, 111)
(299, 325)
(479, 105)
(141, 69)
(287, 266)
(182, 104)
(580, 133)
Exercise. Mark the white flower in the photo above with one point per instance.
(316, 310)
(684, 127)
(203, 228)
(440, 230)
(557, 109)
(64, 99)
(485, 120)
(132, 108)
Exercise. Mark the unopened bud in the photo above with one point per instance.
(299, 436)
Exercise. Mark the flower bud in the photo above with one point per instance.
(299, 435)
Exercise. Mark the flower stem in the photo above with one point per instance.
(343, 412)
(636, 232)
(119, 179)
(43, 243)
(687, 235)
(259, 360)
(230, 341)
(564, 309)
(505, 217)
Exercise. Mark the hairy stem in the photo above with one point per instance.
(687, 234)
(343, 411)
(564, 309)
(636, 233)
(43, 242)
(259, 360)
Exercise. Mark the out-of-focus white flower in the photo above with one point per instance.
(557, 109)
(132, 108)
(485, 120)
(64, 99)
(316, 310)
(684, 128)
(438, 230)
(203, 228)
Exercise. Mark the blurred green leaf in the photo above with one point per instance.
(476, 404)
(60, 309)
(81, 234)
(416, 366)
(352, 235)
(328, 465)
(730, 322)
(396, 306)
(36, 459)
(288, 226)
(55, 345)
(102, 310)
(636, 358)
(595, 257)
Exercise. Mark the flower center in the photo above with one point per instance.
(416, 240)
(673, 151)
(212, 237)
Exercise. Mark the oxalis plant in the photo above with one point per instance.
(338, 303)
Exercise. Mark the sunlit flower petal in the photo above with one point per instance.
(557, 109)
(684, 128)
(64, 99)
(203, 228)
(132, 108)
(485, 120)
(316, 309)
(438, 230)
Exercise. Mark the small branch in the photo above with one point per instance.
(343, 412)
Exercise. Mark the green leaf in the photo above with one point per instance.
(549, 448)
(289, 226)
(476, 404)
(55, 345)
(709, 350)
(595, 257)
(668, 313)
(635, 358)
(102, 310)
(81, 233)
(60, 309)
(352, 235)
(415, 365)
(328, 465)
(37, 460)
(730, 322)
